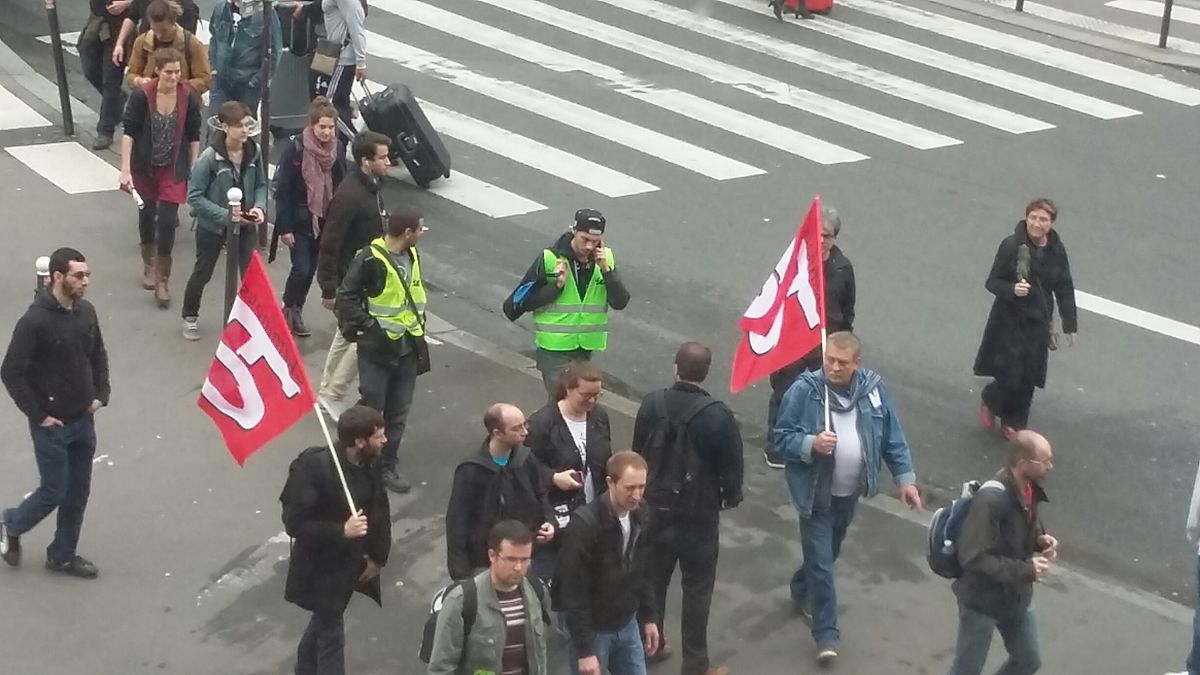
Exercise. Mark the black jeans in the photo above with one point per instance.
(64, 460)
(1010, 403)
(208, 252)
(98, 68)
(322, 650)
(157, 222)
(693, 544)
(389, 388)
(304, 267)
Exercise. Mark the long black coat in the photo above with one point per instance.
(324, 567)
(1015, 346)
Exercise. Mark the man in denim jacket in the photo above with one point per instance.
(829, 466)
(235, 52)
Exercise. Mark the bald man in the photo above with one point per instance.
(500, 481)
(1003, 550)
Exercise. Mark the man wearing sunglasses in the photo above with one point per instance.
(56, 371)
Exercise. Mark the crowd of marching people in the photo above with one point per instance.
(552, 525)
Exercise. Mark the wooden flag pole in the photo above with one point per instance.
(338, 465)
(824, 339)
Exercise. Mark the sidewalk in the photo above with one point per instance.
(1086, 30)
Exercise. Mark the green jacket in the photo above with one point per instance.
(214, 174)
(484, 649)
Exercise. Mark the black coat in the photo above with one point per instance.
(56, 364)
(551, 442)
(840, 296)
(1015, 346)
(995, 547)
(136, 124)
(717, 442)
(353, 220)
(597, 587)
(324, 566)
(483, 494)
(291, 193)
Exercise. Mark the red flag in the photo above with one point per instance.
(784, 322)
(257, 386)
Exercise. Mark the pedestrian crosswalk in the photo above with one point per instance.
(622, 98)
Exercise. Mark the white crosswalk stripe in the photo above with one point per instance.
(526, 101)
(681, 103)
(1032, 50)
(16, 114)
(68, 165)
(653, 143)
(1154, 8)
(894, 46)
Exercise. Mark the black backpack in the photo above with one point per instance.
(671, 454)
(470, 609)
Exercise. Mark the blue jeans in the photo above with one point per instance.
(620, 652)
(821, 536)
(1193, 661)
(304, 267)
(1019, 632)
(64, 459)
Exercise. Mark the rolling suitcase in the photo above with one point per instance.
(395, 113)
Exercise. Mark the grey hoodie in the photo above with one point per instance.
(346, 23)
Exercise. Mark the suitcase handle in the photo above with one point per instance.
(365, 89)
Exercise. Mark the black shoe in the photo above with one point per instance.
(774, 458)
(103, 142)
(77, 567)
(10, 546)
(296, 322)
(395, 481)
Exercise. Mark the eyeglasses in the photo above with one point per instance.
(1043, 462)
(590, 397)
(515, 561)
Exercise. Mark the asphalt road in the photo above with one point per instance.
(920, 225)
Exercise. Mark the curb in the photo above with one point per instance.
(443, 331)
(1166, 57)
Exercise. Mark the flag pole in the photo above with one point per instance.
(333, 453)
(824, 339)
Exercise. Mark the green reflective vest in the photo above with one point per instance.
(391, 307)
(574, 322)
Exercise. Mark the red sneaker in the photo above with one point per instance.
(986, 418)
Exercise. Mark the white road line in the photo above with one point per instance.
(1137, 317)
(744, 80)
(878, 80)
(529, 152)
(979, 72)
(1108, 27)
(478, 195)
(681, 103)
(16, 114)
(1032, 50)
(652, 143)
(69, 165)
(1154, 8)
(68, 41)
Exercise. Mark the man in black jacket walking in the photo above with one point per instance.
(840, 295)
(1003, 550)
(355, 216)
(602, 584)
(685, 530)
(56, 370)
(336, 552)
(500, 481)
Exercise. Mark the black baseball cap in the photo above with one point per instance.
(590, 221)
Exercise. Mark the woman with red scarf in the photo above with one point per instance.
(311, 166)
(160, 145)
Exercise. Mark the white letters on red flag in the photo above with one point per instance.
(257, 386)
(784, 322)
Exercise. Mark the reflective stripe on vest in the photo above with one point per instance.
(391, 308)
(573, 322)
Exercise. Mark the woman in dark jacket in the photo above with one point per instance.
(158, 150)
(310, 168)
(1029, 274)
(570, 436)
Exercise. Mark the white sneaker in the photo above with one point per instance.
(191, 329)
(826, 656)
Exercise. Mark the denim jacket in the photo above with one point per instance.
(235, 50)
(801, 418)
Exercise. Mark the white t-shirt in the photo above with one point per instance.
(579, 433)
(625, 529)
(848, 454)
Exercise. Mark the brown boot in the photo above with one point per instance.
(162, 272)
(148, 281)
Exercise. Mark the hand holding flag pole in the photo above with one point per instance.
(257, 386)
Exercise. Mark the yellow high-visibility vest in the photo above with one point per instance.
(391, 307)
(574, 321)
